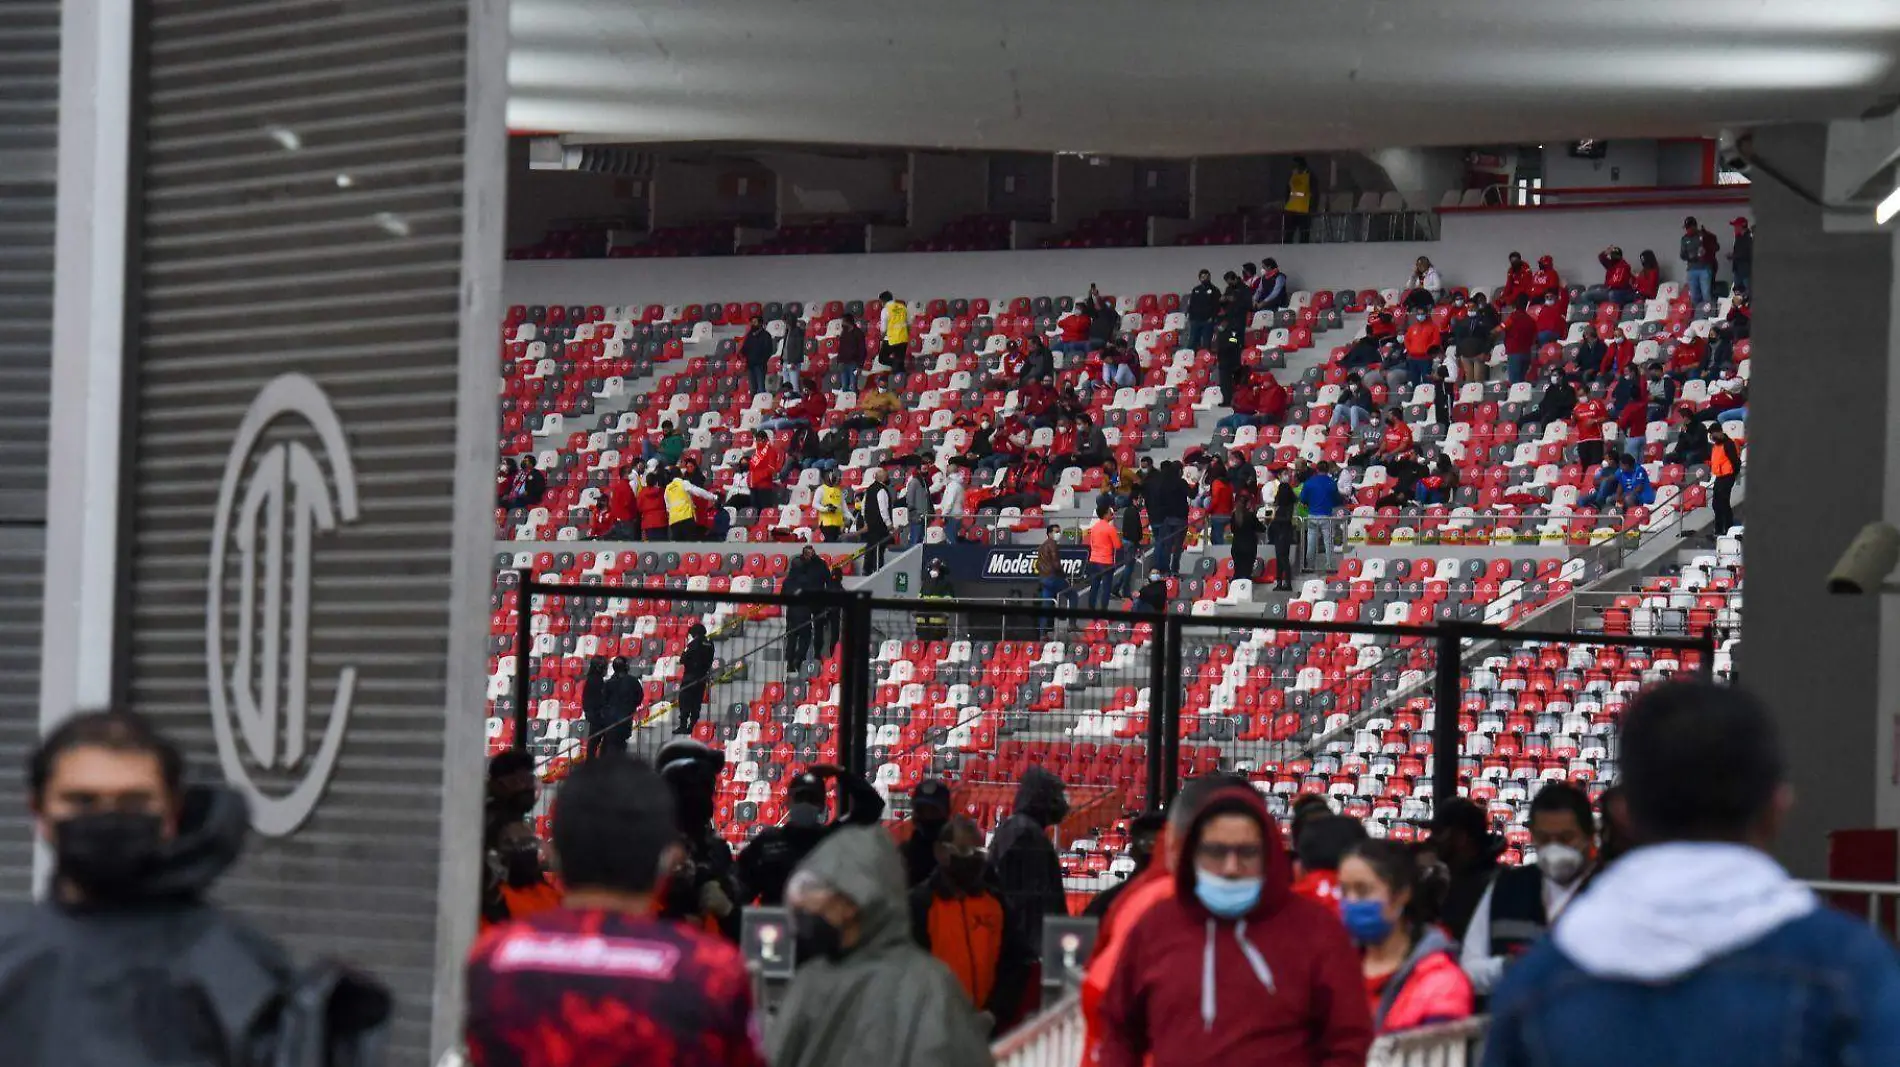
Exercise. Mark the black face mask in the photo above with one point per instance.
(106, 855)
(523, 866)
(817, 938)
(966, 872)
(1059, 810)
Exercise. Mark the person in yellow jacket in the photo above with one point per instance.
(831, 508)
(682, 522)
(896, 331)
(1299, 201)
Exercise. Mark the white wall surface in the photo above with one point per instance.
(1472, 251)
(945, 186)
(1624, 163)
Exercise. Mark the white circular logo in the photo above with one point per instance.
(259, 687)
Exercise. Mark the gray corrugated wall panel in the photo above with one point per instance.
(29, 136)
(299, 205)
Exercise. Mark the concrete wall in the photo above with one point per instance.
(537, 198)
(1472, 251)
(1679, 162)
(1221, 184)
(1817, 459)
(946, 186)
(812, 185)
(688, 193)
(1424, 174)
(1626, 163)
(1021, 184)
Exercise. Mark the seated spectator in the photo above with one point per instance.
(1728, 403)
(1246, 404)
(1548, 314)
(1117, 485)
(667, 445)
(1619, 283)
(1413, 978)
(1659, 390)
(1424, 287)
(1008, 441)
(1363, 353)
(1091, 444)
(1396, 442)
(1558, 401)
(1735, 326)
(1355, 406)
(1605, 482)
(1009, 369)
(529, 487)
(1380, 325)
(1517, 281)
(1439, 483)
(1072, 332)
(1692, 439)
(1070, 404)
(1590, 353)
(1648, 275)
(806, 411)
(504, 480)
(1545, 281)
(1062, 443)
(1039, 364)
(1632, 483)
(875, 406)
(1038, 403)
(1272, 293)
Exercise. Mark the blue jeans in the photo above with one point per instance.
(1125, 564)
(1072, 348)
(1739, 414)
(782, 423)
(1237, 420)
(847, 375)
(1319, 542)
(995, 461)
(755, 373)
(1200, 333)
(1120, 376)
(1050, 588)
(1517, 366)
(1702, 285)
(1352, 415)
(917, 527)
(1598, 294)
(1099, 584)
(1418, 370)
(1217, 528)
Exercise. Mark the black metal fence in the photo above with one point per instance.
(1123, 704)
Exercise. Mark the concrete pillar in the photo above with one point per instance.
(1817, 467)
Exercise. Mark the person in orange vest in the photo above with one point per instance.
(526, 887)
(958, 915)
(1725, 462)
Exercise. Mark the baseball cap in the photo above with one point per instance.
(1738, 221)
(931, 792)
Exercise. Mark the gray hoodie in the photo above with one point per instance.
(886, 1002)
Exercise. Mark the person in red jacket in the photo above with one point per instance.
(1072, 332)
(1273, 400)
(650, 502)
(1619, 282)
(1545, 281)
(1586, 419)
(762, 467)
(1412, 978)
(1517, 281)
(1395, 441)
(1648, 276)
(1549, 317)
(617, 517)
(1234, 968)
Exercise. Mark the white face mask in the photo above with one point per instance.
(1560, 863)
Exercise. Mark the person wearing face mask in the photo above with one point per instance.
(526, 887)
(865, 993)
(1524, 902)
(702, 888)
(916, 837)
(1411, 967)
(958, 916)
(1024, 859)
(1143, 832)
(511, 785)
(125, 962)
(768, 860)
(1234, 967)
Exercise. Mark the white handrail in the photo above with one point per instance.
(1875, 892)
(1456, 1044)
(1052, 1039)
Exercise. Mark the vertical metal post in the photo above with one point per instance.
(1707, 649)
(524, 646)
(1171, 709)
(1158, 793)
(854, 689)
(1447, 738)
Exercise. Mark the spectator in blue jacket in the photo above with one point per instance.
(1632, 483)
(1697, 947)
(1320, 494)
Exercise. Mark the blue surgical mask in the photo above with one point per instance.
(1229, 898)
(1365, 920)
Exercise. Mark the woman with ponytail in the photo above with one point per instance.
(1411, 968)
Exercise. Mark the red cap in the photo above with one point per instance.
(1738, 221)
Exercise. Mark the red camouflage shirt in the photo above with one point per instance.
(568, 988)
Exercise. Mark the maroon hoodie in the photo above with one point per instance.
(1280, 985)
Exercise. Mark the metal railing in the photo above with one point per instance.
(1877, 894)
(1446, 1045)
(1054, 1038)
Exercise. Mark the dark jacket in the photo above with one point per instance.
(1466, 890)
(625, 696)
(851, 344)
(1167, 497)
(695, 662)
(1203, 302)
(1237, 306)
(980, 947)
(757, 346)
(1279, 985)
(172, 980)
(767, 862)
(594, 699)
(1023, 859)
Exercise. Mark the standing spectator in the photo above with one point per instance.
(1411, 967)
(958, 915)
(1321, 496)
(1741, 253)
(830, 502)
(1272, 290)
(1319, 845)
(803, 580)
(762, 469)
(1218, 501)
(1475, 335)
(696, 664)
(1725, 463)
(791, 354)
(1246, 531)
(1422, 338)
(1299, 203)
(1424, 287)
(1517, 280)
(1105, 546)
(1619, 283)
(617, 515)
(851, 352)
(917, 836)
(766, 863)
(952, 506)
(529, 982)
(1459, 837)
(917, 504)
(1144, 834)
(1072, 331)
(895, 329)
(1168, 506)
(879, 521)
(1523, 902)
(1203, 307)
(1022, 858)
(1648, 275)
(1104, 321)
(594, 704)
(1520, 341)
(865, 993)
(1697, 251)
(1235, 967)
(622, 697)
(1236, 304)
(1131, 539)
(756, 346)
(1587, 419)
(1701, 915)
(682, 514)
(1049, 572)
(650, 502)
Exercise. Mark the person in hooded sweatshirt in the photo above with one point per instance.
(622, 698)
(916, 837)
(1024, 860)
(1411, 967)
(866, 993)
(767, 862)
(125, 963)
(1697, 947)
(1234, 968)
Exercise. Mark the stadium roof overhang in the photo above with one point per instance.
(1191, 77)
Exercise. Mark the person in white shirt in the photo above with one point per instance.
(1523, 903)
(951, 506)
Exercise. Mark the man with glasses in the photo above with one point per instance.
(959, 915)
(1235, 967)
